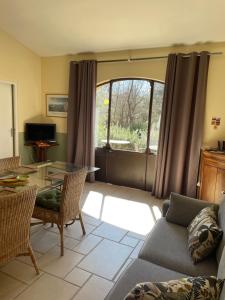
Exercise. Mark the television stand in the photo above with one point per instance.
(41, 148)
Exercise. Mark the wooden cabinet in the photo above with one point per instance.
(220, 184)
(212, 176)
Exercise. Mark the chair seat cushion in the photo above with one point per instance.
(49, 199)
(167, 246)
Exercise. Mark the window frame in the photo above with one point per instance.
(110, 82)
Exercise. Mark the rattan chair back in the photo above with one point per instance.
(15, 215)
(9, 163)
(72, 191)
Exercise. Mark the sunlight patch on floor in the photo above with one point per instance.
(157, 212)
(93, 204)
(127, 214)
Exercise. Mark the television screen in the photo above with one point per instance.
(40, 132)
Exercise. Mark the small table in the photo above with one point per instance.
(41, 149)
(46, 175)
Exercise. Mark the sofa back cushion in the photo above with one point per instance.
(221, 268)
(222, 295)
(221, 273)
(221, 220)
(183, 209)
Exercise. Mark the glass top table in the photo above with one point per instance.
(45, 175)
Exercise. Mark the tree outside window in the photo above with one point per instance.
(128, 114)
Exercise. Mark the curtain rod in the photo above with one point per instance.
(145, 58)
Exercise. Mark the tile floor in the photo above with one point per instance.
(117, 220)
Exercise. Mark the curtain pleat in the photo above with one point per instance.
(81, 114)
(181, 127)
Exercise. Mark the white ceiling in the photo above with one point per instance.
(57, 27)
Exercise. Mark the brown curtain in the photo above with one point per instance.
(181, 129)
(81, 113)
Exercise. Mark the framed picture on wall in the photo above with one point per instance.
(57, 105)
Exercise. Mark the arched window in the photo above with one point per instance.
(128, 113)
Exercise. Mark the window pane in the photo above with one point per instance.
(156, 115)
(129, 115)
(102, 107)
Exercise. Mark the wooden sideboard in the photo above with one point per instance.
(212, 176)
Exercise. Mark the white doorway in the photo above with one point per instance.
(7, 120)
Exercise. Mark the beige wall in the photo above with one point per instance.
(36, 77)
(55, 78)
(55, 72)
(22, 67)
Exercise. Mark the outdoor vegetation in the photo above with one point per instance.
(129, 117)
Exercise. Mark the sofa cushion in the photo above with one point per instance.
(140, 271)
(49, 199)
(221, 219)
(167, 246)
(183, 209)
(221, 269)
(222, 296)
(221, 273)
(204, 233)
(192, 288)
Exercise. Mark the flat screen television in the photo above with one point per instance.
(40, 132)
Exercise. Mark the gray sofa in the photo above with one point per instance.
(164, 255)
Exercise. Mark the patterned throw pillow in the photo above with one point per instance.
(173, 289)
(204, 234)
(206, 288)
(193, 288)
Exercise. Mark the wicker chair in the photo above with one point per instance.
(68, 207)
(15, 216)
(9, 163)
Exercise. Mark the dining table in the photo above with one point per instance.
(45, 175)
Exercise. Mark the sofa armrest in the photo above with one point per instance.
(182, 209)
(165, 207)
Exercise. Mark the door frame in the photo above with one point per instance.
(14, 116)
(104, 154)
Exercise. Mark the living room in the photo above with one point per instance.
(133, 93)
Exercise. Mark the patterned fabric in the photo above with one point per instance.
(49, 199)
(193, 288)
(206, 288)
(204, 234)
